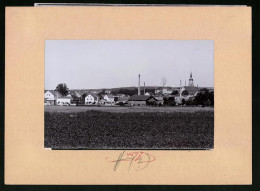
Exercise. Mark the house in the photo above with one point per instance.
(64, 100)
(122, 100)
(91, 98)
(102, 102)
(108, 91)
(167, 90)
(142, 100)
(109, 97)
(159, 100)
(76, 97)
(50, 97)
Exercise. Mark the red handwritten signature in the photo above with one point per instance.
(137, 159)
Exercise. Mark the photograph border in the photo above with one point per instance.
(255, 109)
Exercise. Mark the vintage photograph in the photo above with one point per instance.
(129, 94)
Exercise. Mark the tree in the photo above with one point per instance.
(62, 89)
(204, 97)
(175, 92)
(211, 98)
(184, 92)
(102, 92)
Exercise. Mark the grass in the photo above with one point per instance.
(129, 127)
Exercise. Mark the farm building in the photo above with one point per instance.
(159, 100)
(122, 100)
(64, 100)
(50, 97)
(76, 97)
(142, 100)
(109, 97)
(91, 98)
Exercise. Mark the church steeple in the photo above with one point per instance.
(191, 80)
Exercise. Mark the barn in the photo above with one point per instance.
(142, 100)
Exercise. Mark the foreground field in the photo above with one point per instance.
(128, 128)
(76, 109)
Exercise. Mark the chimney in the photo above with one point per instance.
(180, 88)
(144, 88)
(185, 83)
(139, 92)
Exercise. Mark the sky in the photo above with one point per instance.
(94, 64)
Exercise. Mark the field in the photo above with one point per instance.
(71, 127)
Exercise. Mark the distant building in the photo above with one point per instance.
(50, 97)
(108, 91)
(109, 97)
(190, 81)
(167, 91)
(142, 100)
(190, 89)
(122, 100)
(159, 99)
(91, 98)
(64, 100)
(149, 93)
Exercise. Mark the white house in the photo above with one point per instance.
(109, 97)
(50, 97)
(91, 98)
(64, 100)
(167, 91)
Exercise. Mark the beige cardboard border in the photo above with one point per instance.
(26, 161)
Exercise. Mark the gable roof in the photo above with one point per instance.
(150, 93)
(109, 95)
(93, 95)
(159, 98)
(140, 98)
(55, 93)
(123, 98)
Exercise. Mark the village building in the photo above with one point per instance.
(109, 97)
(64, 100)
(91, 98)
(122, 100)
(149, 93)
(159, 100)
(50, 97)
(108, 91)
(190, 90)
(76, 97)
(167, 90)
(142, 100)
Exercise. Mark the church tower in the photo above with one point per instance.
(191, 80)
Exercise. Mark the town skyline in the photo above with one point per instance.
(81, 63)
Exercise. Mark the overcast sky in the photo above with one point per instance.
(116, 63)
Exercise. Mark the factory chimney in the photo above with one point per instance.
(139, 92)
(180, 88)
(144, 88)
